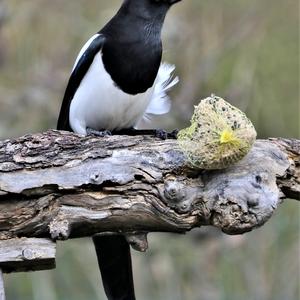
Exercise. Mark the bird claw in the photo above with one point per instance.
(173, 134)
(93, 132)
(163, 134)
(159, 133)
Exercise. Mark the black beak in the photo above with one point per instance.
(170, 2)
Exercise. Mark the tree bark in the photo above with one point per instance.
(62, 185)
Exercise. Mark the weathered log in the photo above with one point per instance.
(18, 255)
(62, 185)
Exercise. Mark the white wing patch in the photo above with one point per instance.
(84, 48)
(160, 102)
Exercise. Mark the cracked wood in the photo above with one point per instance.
(62, 185)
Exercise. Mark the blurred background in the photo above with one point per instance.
(244, 51)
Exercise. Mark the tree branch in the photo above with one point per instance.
(61, 185)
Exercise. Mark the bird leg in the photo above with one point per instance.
(159, 133)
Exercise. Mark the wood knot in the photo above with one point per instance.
(29, 254)
(175, 195)
(138, 241)
(59, 229)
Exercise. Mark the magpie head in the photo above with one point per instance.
(168, 2)
(148, 9)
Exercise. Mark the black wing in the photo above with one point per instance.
(77, 75)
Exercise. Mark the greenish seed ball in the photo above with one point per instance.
(219, 136)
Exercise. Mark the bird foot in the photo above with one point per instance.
(159, 133)
(93, 132)
(164, 135)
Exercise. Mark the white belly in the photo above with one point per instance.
(99, 104)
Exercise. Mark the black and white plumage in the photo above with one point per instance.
(117, 80)
(88, 110)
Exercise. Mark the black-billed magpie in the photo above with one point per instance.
(117, 80)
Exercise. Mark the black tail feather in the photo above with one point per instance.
(114, 259)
